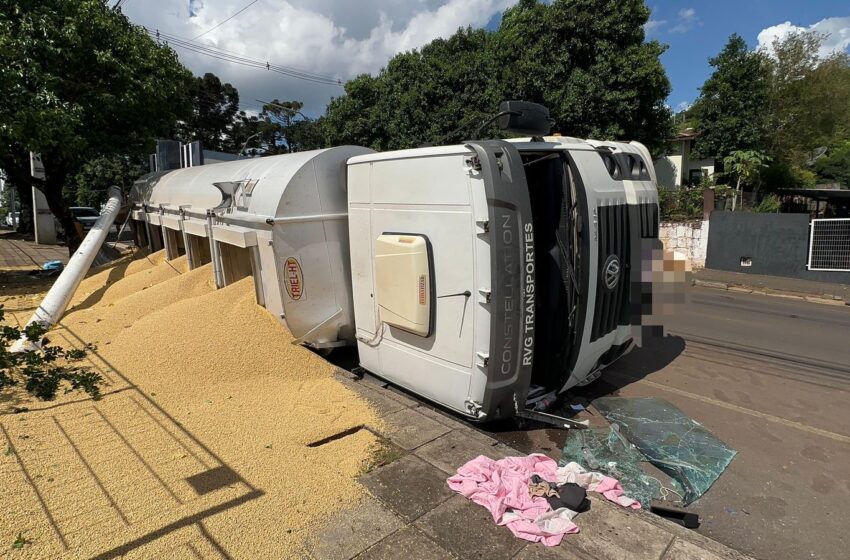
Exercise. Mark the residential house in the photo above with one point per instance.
(677, 168)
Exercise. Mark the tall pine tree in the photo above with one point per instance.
(732, 108)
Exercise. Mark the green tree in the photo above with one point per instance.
(242, 129)
(305, 134)
(731, 108)
(835, 165)
(79, 81)
(89, 187)
(587, 60)
(214, 109)
(745, 165)
(809, 97)
(277, 122)
(421, 96)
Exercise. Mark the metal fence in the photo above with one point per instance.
(829, 244)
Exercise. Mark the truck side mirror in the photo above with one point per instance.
(523, 117)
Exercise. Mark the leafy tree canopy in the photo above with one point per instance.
(80, 81)
(809, 97)
(731, 108)
(89, 187)
(787, 102)
(586, 60)
(214, 108)
(835, 166)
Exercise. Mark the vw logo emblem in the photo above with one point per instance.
(611, 272)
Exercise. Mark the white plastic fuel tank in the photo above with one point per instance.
(281, 219)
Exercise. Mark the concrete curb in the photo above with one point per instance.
(824, 299)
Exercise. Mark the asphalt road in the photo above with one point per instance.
(771, 378)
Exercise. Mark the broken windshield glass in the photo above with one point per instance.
(606, 451)
(670, 440)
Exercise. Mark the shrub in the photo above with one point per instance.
(768, 205)
(682, 204)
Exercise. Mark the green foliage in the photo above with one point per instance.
(89, 187)
(280, 128)
(809, 98)
(731, 106)
(787, 104)
(79, 81)
(785, 175)
(20, 542)
(681, 204)
(768, 205)
(745, 165)
(835, 166)
(284, 128)
(586, 60)
(214, 108)
(43, 369)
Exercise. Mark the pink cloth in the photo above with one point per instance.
(502, 487)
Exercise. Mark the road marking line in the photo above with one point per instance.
(757, 414)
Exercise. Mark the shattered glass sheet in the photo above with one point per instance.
(606, 451)
(670, 440)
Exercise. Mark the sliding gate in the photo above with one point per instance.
(829, 244)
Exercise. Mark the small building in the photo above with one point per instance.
(677, 168)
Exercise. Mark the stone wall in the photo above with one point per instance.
(687, 238)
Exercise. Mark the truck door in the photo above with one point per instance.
(412, 240)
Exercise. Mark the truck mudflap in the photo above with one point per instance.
(512, 283)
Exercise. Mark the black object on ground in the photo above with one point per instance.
(678, 516)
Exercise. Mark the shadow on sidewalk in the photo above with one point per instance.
(122, 466)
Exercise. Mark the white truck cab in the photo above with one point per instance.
(526, 272)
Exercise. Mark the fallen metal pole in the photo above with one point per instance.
(57, 299)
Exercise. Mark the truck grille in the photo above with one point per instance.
(648, 212)
(612, 298)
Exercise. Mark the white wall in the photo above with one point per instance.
(688, 238)
(674, 169)
(668, 171)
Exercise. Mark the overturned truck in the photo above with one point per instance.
(464, 273)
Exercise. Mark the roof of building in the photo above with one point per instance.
(687, 134)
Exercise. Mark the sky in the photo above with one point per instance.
(338, 39)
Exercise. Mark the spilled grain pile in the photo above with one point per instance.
(212, 424)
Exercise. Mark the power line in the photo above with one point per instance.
(186, 43)
(219, 51)
(225, 21)
(234, 58)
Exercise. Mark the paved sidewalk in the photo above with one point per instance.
(19, 253)
(773, 285)
(411, 514)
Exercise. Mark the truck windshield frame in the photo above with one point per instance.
(557, 218)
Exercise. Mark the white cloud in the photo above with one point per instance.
(687, 19)
(683, 106)
(653, 26)
(836, 29)
(338, 38)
